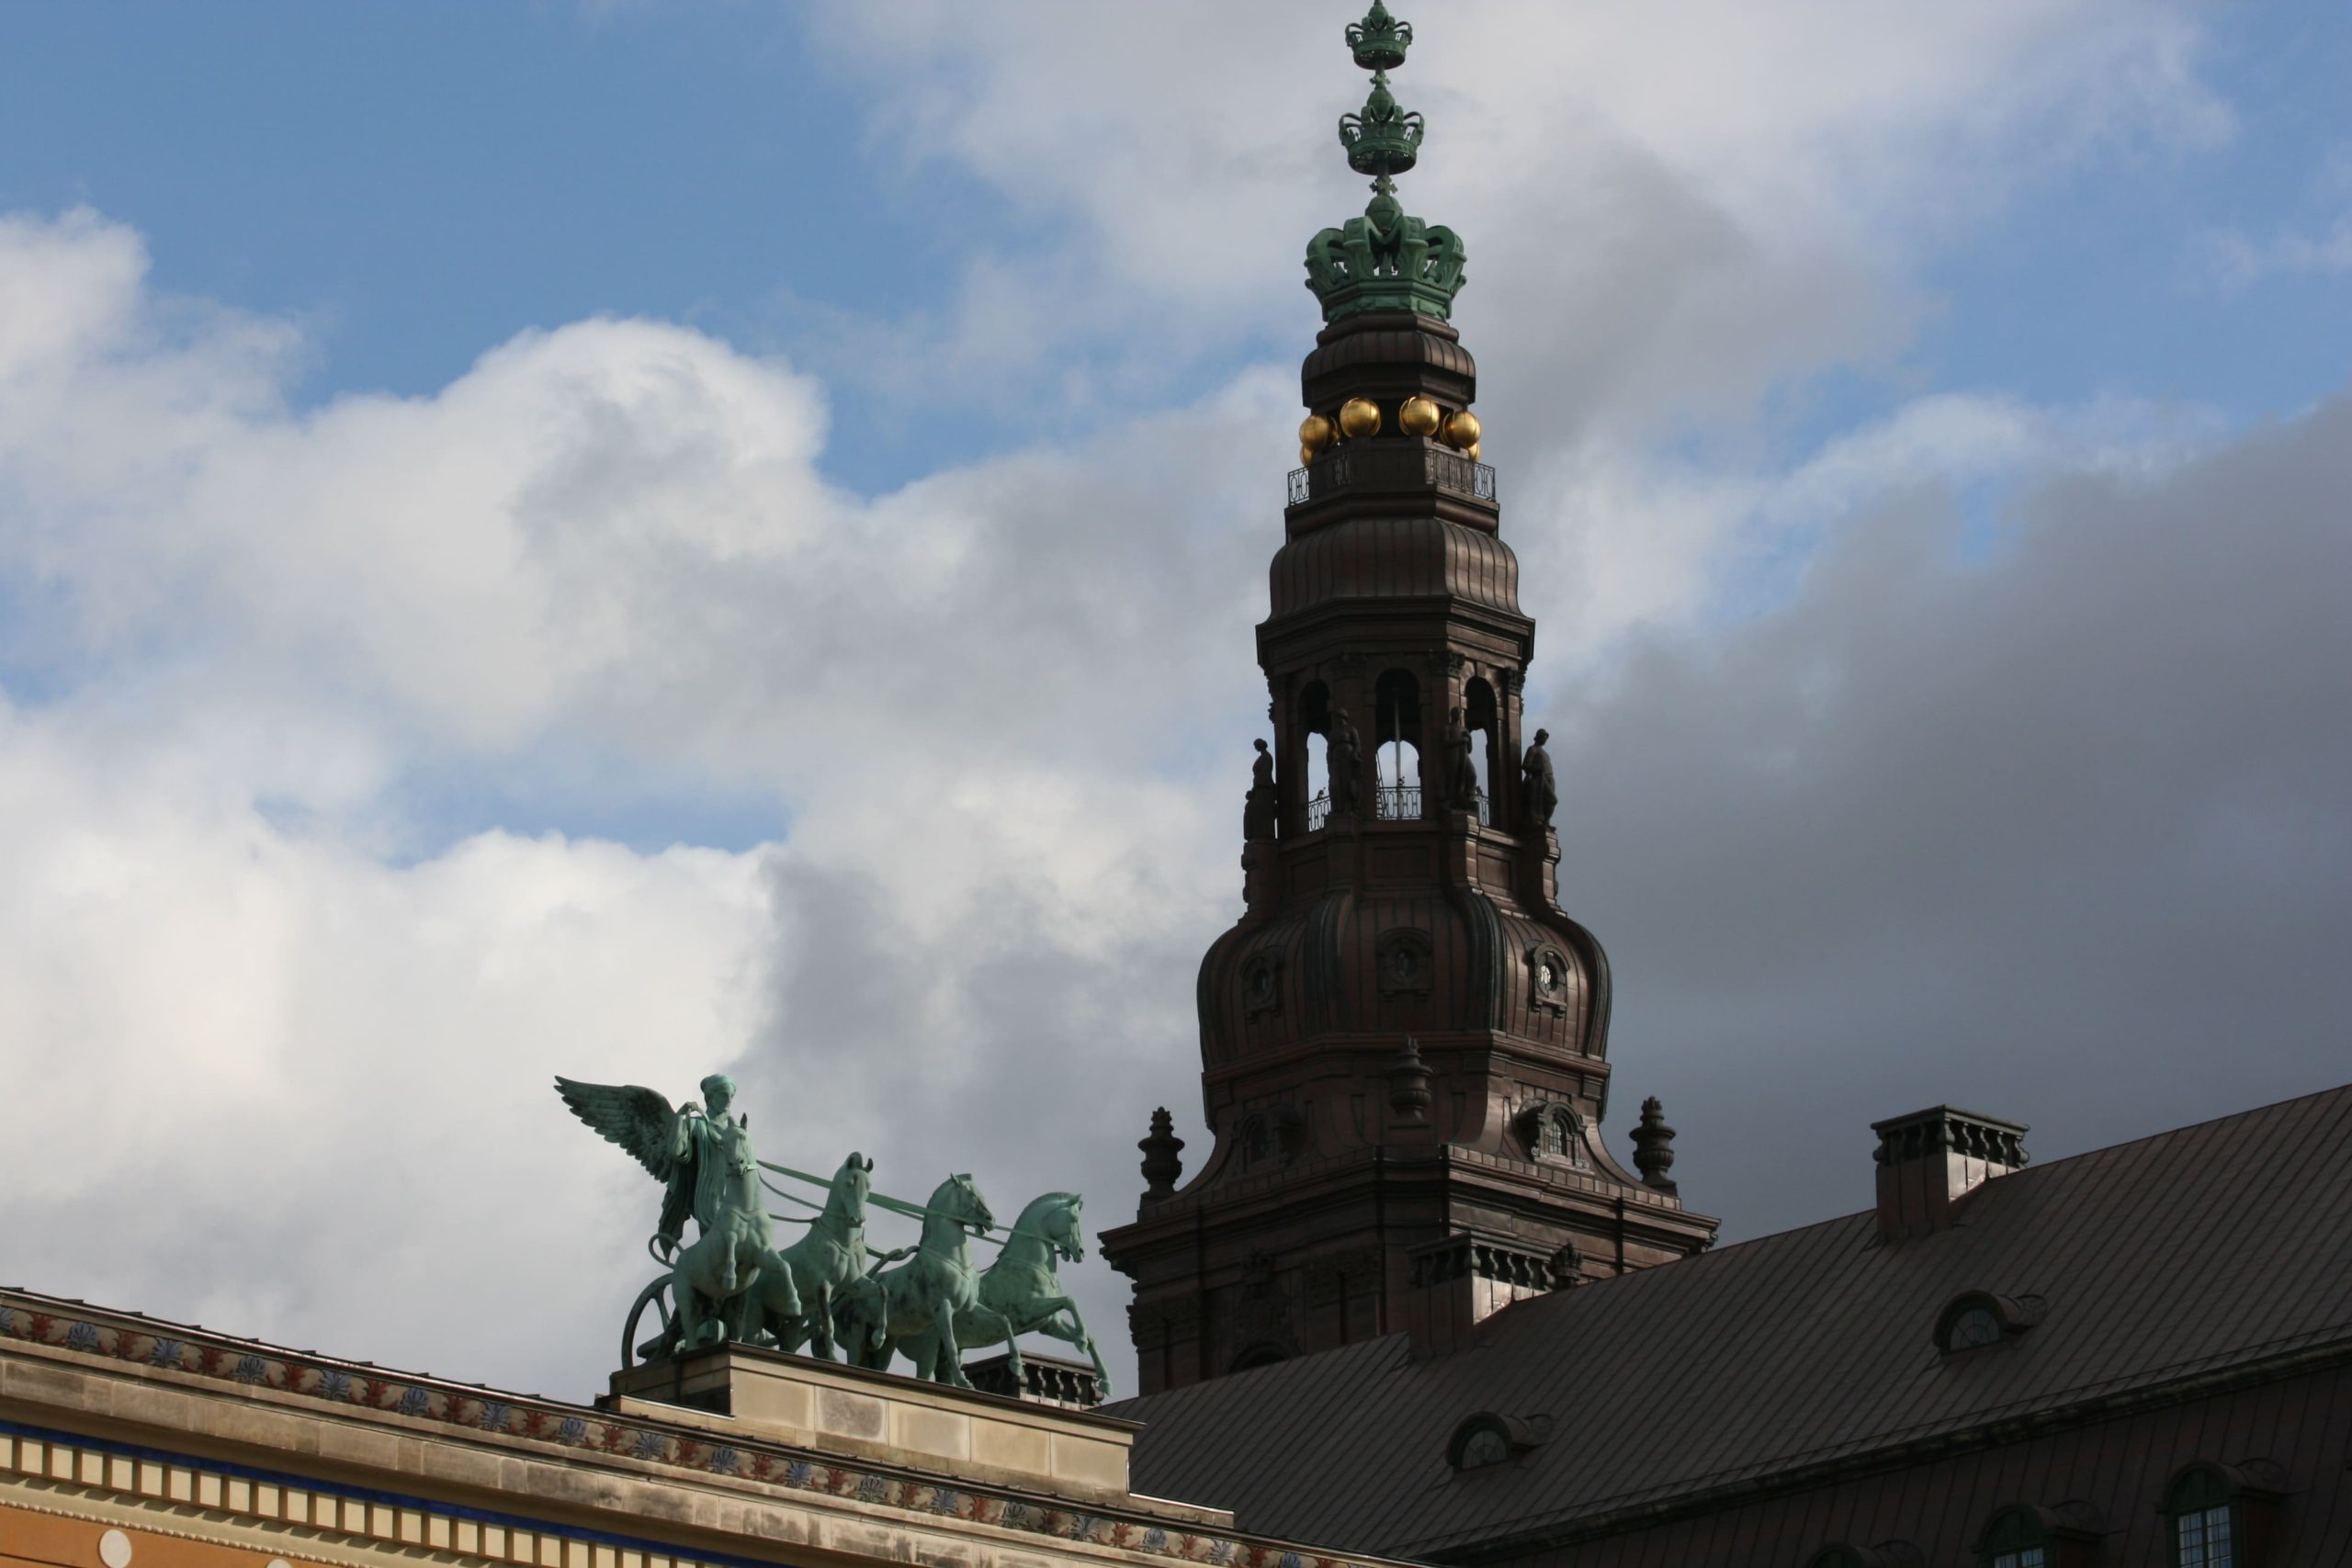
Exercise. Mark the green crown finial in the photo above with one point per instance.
(1384, 260)
(1380, 40)
(1384, 139)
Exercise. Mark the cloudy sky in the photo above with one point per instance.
(622, 538)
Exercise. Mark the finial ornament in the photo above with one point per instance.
(1408, 1083)
(1386, 260)
(1162, 1161)
(1654, 1148)
(1380, 40)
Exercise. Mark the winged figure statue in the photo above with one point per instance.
(728, 1282)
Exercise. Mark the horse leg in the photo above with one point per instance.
(689, 1318)
(948, 1367)
(982, 1317)
(817, 1327)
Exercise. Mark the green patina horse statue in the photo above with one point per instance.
(929, 1295)
(1021, 1293)
(830, 1260)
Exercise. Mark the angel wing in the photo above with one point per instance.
(641, 1121)
(637, 1118)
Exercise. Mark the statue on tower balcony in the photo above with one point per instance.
(1461, 773)
(1343, 751)
(1257, 808)
(1540, 790)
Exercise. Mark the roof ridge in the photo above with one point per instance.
(2026, 1170)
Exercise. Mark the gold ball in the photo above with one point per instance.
(1418, 416)
(1317, 430)
(1471, 451)
(1305, 455)
(1359, 416)
(1461, 431)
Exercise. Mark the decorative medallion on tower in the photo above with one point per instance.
(1402, 985)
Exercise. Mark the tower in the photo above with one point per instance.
(1404, 1039)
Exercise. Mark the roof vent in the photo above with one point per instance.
(1930, 1160)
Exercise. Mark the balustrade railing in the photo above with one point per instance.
(1390, 465)
(1390, 803)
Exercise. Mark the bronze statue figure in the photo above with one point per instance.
(1461, 774)
(1540, 793)
(1257, 808)
(1343, 752)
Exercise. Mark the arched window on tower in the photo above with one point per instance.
(1478, 715)
(1396, 699)
(1314, 719)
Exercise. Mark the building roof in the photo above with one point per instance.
(2215, 1248)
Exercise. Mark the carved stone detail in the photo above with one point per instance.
(1261, 984)
(1547, 979)
(1407, 962)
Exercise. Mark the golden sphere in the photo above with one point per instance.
(1471, 451)
(1418, 416)
(1315, 431)
(1461, 431)
(1306, 455)
(1359, 416)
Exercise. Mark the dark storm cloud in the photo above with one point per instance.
(2058, 831)
(2063, 834)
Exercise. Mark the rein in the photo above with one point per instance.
(895, 1205)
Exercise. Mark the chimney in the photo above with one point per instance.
(1463, 1280)
(1930, 1160)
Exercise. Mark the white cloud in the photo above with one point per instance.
(1005, 708)
(1668, 208)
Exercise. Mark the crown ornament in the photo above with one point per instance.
(1388, 259)
(1380, 40)
(1384, 139)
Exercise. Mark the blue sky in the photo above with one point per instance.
(419, 182)
(618, 538)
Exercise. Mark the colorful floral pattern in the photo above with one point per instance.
(237, 1362)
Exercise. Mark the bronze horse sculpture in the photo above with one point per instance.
(920, 1302)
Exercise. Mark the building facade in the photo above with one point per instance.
(127, 1442)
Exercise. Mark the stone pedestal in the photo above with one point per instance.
(766, 1395)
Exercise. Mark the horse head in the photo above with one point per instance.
(1070, 1230)
(1053, 1218)
(852, 1185)
(959, 1201)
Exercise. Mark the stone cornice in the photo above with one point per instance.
(578, 1469)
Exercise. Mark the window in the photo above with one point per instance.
(1487, 1439)
(1885, 1555)
(2203, 1537)
(1975, 1319)
(1976, 1324)
(2016, 1539)
(1485, 1446)
(2216, 1515)
(2024, 1534)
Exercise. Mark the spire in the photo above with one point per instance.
(1385, 260)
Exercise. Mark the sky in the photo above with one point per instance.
(631, 537)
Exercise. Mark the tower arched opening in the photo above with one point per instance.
(1397, 702)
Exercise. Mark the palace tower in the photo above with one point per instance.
(1403, 1040)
